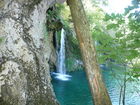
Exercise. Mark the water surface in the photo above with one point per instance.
(76, 91)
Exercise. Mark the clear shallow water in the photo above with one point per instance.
(76, 91)
(73, 92)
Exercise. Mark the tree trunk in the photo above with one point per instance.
(24, 53)
(98, 89)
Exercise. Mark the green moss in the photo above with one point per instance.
(71, 64)
(2, 102)
(1, 40)
(1, 3)
(53, 19)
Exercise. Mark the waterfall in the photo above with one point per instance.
(61, 55)
(61, 69)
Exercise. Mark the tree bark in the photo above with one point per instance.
(24, 53)
(97, 86)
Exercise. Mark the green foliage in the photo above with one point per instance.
(72, 65)
(54, 20)
(123, 45)
(135, 5)
(97, 2)
(1, 39)
(117, 36)
(72, 51)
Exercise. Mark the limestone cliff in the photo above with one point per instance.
(24, 53)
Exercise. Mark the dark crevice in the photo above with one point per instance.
(54, 39)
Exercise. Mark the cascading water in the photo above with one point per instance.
(61, 69)
(61, 55)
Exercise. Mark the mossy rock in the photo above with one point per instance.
(2, 102)
(1, 40)
(2, 3)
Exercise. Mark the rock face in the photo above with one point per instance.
(24, 53)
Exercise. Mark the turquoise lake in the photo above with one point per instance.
(76, 90)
